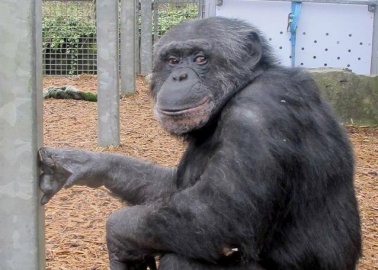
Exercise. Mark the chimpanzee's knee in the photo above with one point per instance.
(173, 262)
(121, 235)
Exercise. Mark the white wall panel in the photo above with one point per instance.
(328, 35)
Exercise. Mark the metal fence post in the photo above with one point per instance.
(210, 8)
(22, 219)
(137, 37)
(146, 37)
(156, 20)
(128, 47)
(107, 72)
(374, 55)
(201, 8)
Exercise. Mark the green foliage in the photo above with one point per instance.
(65, 34)
(169, 17)
(69, 29)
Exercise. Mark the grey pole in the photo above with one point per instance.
(156, 20)
(107, 72)
(210, 8)
(22, 219)
(128, 47)
(137, 38)
(374, 55)
(146, 37)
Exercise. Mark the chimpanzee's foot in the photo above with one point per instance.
(149, 262)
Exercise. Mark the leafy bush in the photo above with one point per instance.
(69, 30)
(66, 36)
(169, 17)
(63, 32)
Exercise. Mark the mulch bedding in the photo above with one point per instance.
(75, 217)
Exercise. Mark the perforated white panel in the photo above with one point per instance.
(328, 35)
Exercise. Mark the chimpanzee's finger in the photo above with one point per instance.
(47, 163)
(46, 198)
(55, 160)
(51, 183)
(71, 180)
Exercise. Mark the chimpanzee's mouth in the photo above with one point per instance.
(199, 108)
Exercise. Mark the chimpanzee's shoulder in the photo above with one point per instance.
(276, 95)
(284, 78)
(280, 84)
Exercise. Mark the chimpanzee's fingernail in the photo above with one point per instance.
(45, 199)
(68, 184)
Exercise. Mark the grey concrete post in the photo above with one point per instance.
(107, 72)
(22, 219)
(137, 38)
(128, 47)
(210, 8)
(374, 56)
(146, 37)
(201, 9)
(156, 20)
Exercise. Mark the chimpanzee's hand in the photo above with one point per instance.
(65, 168)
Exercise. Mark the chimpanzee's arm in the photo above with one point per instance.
(133, 180)
(226, 209)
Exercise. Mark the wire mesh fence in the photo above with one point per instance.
(69, 31)
(168, 13)
(69, 37)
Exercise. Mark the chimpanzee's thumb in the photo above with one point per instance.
(72, 180)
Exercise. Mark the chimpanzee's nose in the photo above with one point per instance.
(180, 75)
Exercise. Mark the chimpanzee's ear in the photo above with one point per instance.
(254, 48)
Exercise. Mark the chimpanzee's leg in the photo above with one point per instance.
(132, 243)
(128, 248)
(137, 265)
(172, 261)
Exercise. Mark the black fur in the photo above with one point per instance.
(266, 181)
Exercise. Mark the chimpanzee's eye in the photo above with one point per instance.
(200, 59)
(172, 60)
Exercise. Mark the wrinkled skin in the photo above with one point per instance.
(266, 181)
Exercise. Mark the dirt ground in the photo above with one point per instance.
(75, 218)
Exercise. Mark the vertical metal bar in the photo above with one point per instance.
(374, 55)
(200, 8)
(127, 47)
(22, 219)
(107, 72)
(146, 37)
(210, 8)
(156, 20)
(137, 37)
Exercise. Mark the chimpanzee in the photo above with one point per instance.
(266, 181)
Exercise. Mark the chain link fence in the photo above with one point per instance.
(69, 31)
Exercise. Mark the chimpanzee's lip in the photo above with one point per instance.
(199, 107)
